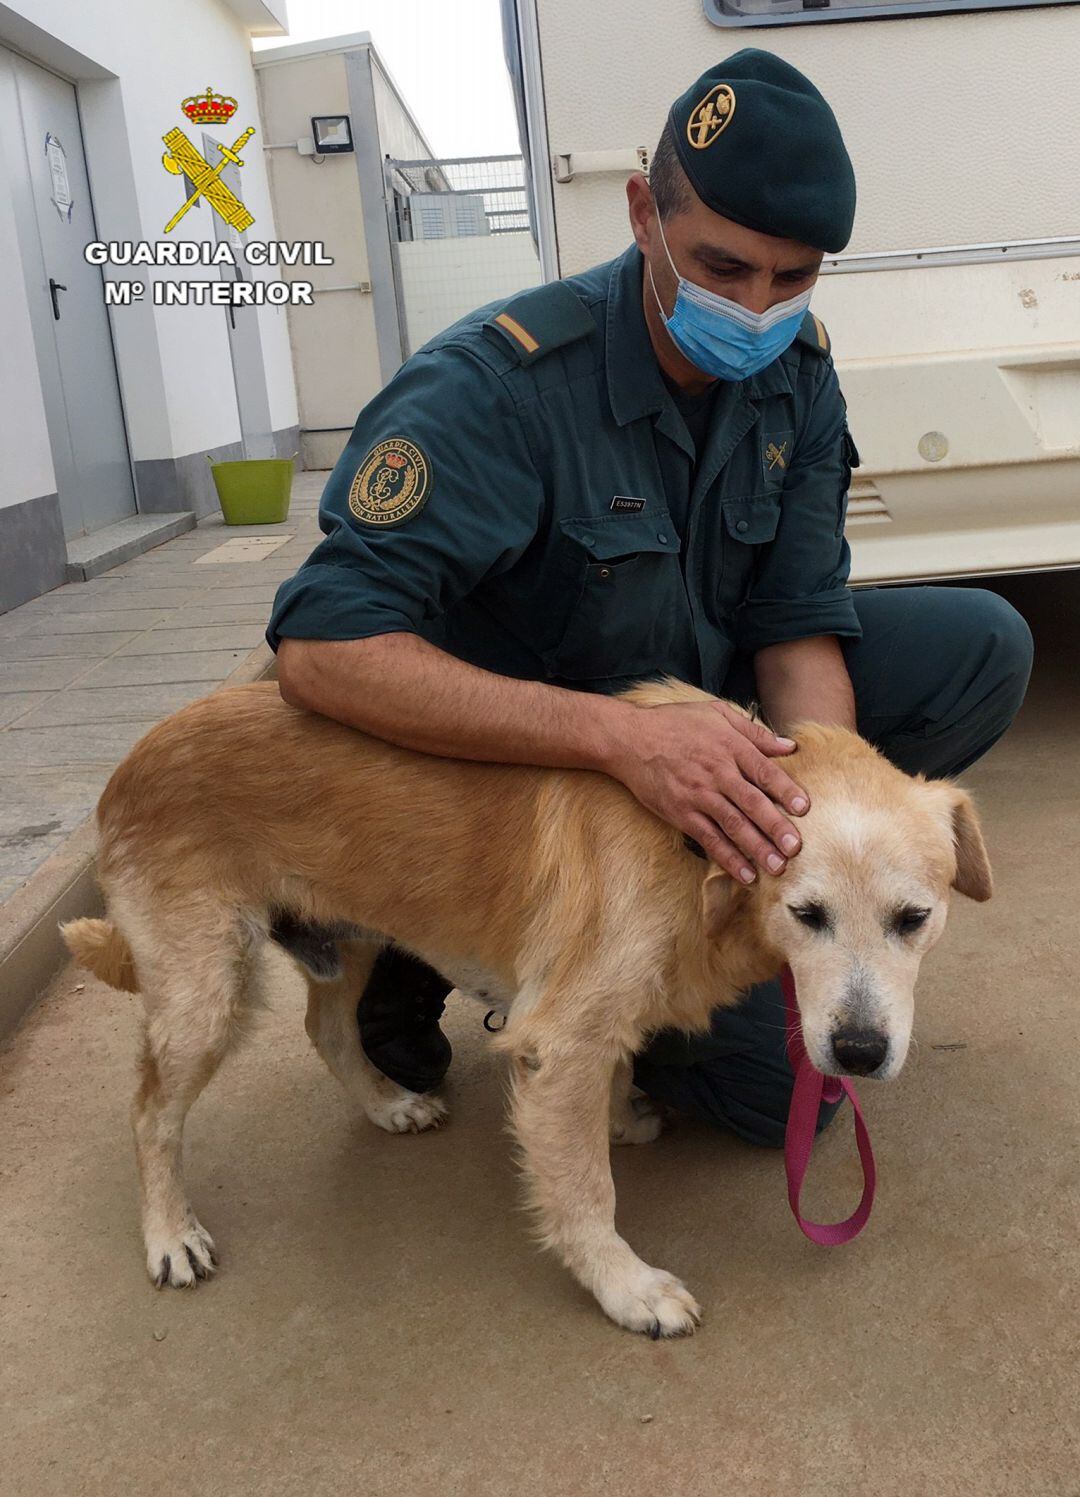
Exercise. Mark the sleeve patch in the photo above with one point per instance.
(392, 484)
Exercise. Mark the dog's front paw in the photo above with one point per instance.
(641, 1122)
(650, 1300)
(408, 1112)
(180, 1258)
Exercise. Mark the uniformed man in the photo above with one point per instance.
(637, 470)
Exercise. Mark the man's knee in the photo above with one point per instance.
(947, 676)
(1010, 649)
(980, 650)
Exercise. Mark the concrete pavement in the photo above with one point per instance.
(86, 669)
(381, 1323)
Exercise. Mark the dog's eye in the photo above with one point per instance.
(909, 920)
(813, 916)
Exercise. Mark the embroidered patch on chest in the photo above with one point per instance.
(392, 483)
(776, 454)
(624, 504)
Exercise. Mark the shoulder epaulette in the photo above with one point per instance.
(812, 332)
(540, 319)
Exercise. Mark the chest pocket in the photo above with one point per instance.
(628, 607)
(748, 524)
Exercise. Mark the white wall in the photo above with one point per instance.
(399, 134)
(443, 279)
(963, 129)
(335, 343)
(335, 352)
(133, 64)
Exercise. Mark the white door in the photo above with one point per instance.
(67, 308)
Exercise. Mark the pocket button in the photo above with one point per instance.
(605, 571)
(742, 526)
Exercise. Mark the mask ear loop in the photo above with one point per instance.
(675, 273)
(663, 241)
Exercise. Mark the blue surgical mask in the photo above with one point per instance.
(720, 337)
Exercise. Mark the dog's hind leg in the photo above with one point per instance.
(561, 1116)
(332, 1029)
(194, 990)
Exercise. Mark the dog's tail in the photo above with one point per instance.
(99, 946)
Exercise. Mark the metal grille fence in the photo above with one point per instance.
(461, 238)
(492, 187)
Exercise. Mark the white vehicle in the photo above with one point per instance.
(954, 313)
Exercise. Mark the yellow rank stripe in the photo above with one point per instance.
(823, 337)
(515, 329)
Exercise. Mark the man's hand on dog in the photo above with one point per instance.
(712, 773)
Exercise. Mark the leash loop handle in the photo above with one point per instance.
(810, 1090)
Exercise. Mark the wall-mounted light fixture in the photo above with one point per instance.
(331, 134)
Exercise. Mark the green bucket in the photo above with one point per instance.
(254, 491)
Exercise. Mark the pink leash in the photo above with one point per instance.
(811, 1089)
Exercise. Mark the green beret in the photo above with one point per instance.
(761, 146)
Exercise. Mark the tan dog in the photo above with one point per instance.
(554, 894)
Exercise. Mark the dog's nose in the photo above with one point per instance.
(859, 1051)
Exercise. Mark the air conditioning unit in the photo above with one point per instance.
(447, 215)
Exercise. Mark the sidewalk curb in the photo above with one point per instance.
(64, 887)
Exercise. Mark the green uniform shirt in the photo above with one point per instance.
(524, 493)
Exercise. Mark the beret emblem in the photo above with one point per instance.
(390, 484)
(711, 116)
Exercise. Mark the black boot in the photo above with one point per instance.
(398, 1016)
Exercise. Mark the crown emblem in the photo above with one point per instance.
(209, 108)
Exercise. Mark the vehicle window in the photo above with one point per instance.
(790, 12)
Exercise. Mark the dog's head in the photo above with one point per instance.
(865, 899)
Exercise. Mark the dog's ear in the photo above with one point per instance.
(973, 876)
(718, 891)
